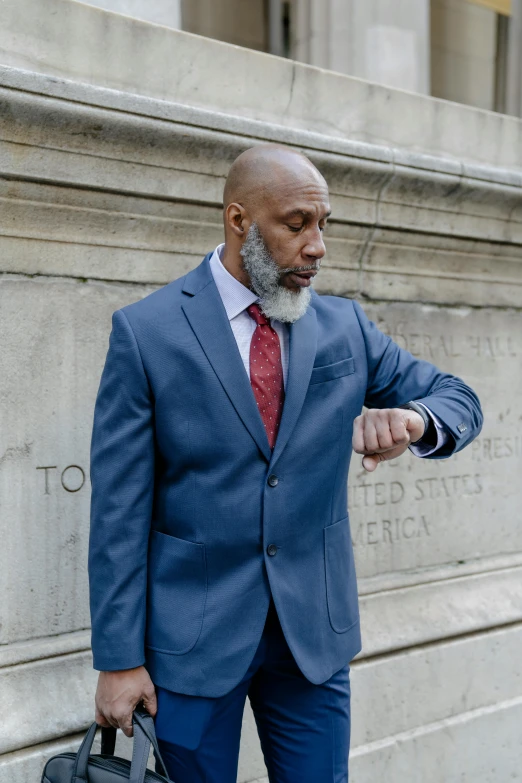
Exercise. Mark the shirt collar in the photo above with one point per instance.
(236, 297)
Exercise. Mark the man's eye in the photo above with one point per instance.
(295, 228)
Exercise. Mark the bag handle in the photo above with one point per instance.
(79, 773)
(108, 740)
(144, 737)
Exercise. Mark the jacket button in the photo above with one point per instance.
(271, 549)
(272, 480)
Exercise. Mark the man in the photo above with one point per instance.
(220, 562)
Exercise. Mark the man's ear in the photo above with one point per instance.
(236, 220)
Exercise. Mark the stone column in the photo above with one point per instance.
(372, 39)
(463, 53)
(164, 12)
(514, 61)
(275, 27)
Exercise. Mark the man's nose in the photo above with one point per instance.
(315, 247)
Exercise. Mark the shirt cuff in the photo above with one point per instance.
(421, 449)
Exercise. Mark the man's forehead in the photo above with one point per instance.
(310, 210)
(294, 195)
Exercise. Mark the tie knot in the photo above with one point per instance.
(255, 312)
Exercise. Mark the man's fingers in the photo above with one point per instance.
(382, 428)
(358, 435)
(118, 694)
(398, 428)
(150, 702)
(127, 729)
(371, 441)
(370, 461)
(101, 720)
(381, 435)
(378, 431)
(117, 722)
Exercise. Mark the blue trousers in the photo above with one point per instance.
(304, 729)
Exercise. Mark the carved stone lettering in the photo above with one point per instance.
(46, 469)
(72, 478)
(436, 487)
(381, 493)
(436, 347)
(390, 531)
(79, 481)
(469, 501)
(495, 448)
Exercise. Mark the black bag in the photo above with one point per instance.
(105, 767)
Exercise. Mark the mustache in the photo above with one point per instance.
(310, 268)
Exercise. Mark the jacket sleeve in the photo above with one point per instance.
(395, 376)
(122, 478)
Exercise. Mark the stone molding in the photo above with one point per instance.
(123, 192)
(144, 59)
(46, 647)
(405, 226)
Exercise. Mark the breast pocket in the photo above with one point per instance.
(176, 594)
(329, 372)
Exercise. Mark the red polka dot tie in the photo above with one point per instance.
(266, 372)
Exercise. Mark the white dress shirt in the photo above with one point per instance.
(237, 297)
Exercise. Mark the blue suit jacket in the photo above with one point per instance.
(182, 510)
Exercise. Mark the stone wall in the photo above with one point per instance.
(377, 40)
(164, 12)
(464, 51)
(108, 193)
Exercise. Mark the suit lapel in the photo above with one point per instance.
(208, 319)
(207, 316)
(302, 348)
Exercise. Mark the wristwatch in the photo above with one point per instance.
(414, 406)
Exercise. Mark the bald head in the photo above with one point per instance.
(276, 206)
(260, 173)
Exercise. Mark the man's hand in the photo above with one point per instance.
(385, 433)
(117, 695)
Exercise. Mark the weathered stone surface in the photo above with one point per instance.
(399, 618)
(164, 12)
(477, 745)
(385, 43)
(104, 195)
(393, 694)
(66, 705)
(271, 89)
(24, 765)
(55, 336)
(139, 199)
(464, 52)
(403, 703)
(413, 513)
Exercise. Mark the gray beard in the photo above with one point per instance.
(276, 301)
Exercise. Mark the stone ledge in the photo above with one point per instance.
(135, 202)
(402, 691)
(242, 81)
(484, 742)
(22, 766)
(385, 582)
(46, 647)
(33, 714)
(37, 85)
(411, 616)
